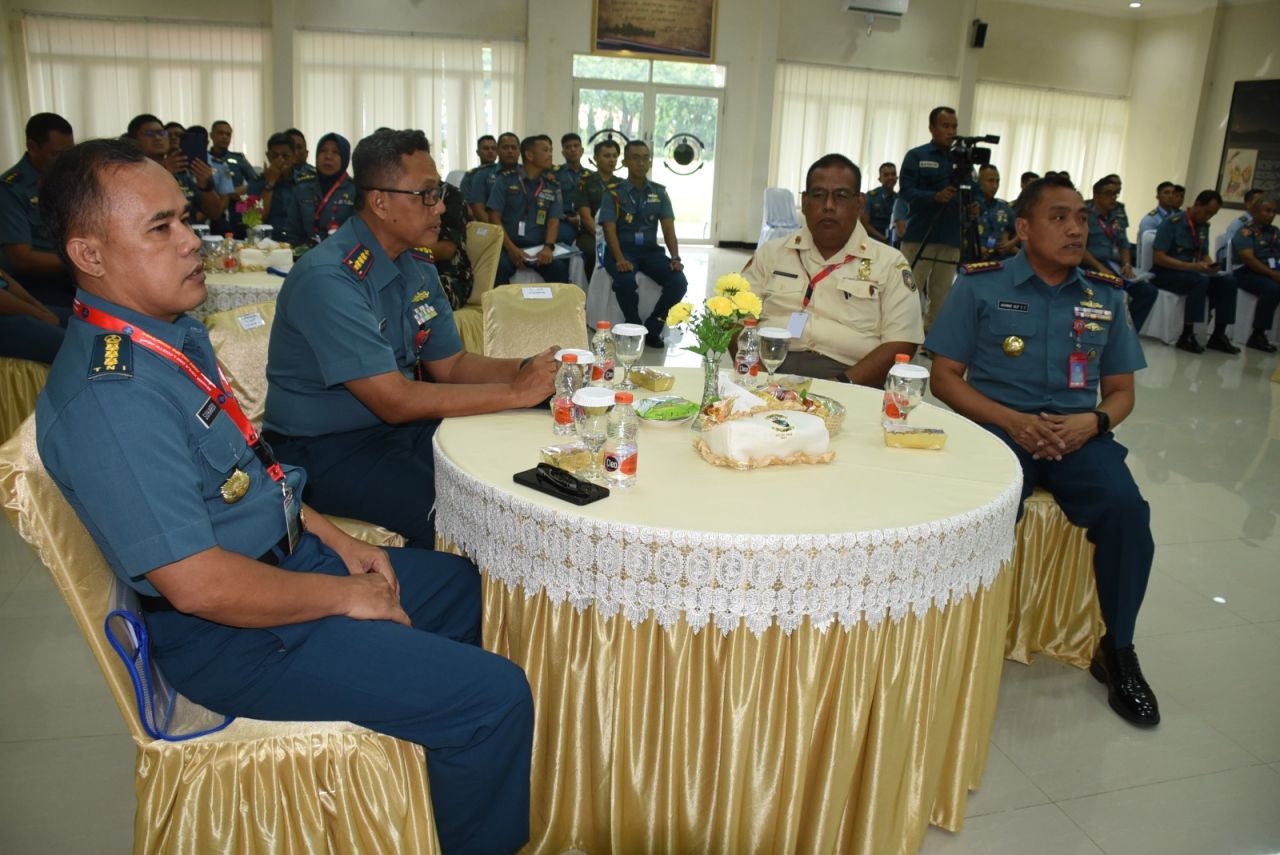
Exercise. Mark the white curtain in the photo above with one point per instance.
(1043, 130)
(98, 74)
(868, 116)
(452, 89)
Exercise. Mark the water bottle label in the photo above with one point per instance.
(890, 407)
(563, 410)
(624, 465)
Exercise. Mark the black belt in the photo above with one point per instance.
(272, 556)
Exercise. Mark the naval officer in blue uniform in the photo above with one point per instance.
(28, 253)
(931, 241)
(526, 202)
(1256, 247)
(360, 320)
(1182, 265)
(253, 609)
(1040, 340)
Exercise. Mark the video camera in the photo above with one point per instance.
(965, 154)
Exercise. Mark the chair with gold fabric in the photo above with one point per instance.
(1054, 606)
(255, 786)
(517, 324)
(20, 383)
(484, 248)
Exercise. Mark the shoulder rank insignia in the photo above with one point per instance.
(1175, 218)
(10, 177)
(359, 260)
(1109, 278)
(305, 176)
(423, 253)
(980, 267)
(1154, 212)
(112, 356)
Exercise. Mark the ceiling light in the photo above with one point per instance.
(1135, 5)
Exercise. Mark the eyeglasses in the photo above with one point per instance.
(429, 197)
(840, 197)
(155, 134)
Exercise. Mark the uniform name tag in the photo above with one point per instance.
(929, 164)
(1010, 306)
(208, 412)
(787, 275)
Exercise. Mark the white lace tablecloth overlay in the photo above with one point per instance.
(233, 290)
(726, 578)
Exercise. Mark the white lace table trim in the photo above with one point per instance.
(700, 577)
(223, 298)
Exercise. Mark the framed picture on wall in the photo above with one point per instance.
(660, 29)
(1251, 149)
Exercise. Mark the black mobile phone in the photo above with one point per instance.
(556, 482)
(194, 145)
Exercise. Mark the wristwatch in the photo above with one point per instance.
(550, 246)
(1104, 421)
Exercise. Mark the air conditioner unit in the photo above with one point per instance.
(897, 8)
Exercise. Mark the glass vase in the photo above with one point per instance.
(710, 386)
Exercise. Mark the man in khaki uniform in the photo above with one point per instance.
(849, 301)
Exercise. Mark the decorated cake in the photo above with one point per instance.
(746, 431)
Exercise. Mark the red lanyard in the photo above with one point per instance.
(1109, 231)
(221, 396)
(1195, 235)
(537, 191)
(325, 201)
(822, 274)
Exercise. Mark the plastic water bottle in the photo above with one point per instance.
(568, 381)
(620, 448)
(605, 354)
(230, 261)
(747, 362)
(903, 389)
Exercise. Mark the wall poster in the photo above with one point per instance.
(669, 29)
(1251, 149)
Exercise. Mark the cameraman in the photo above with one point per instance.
(933, 216)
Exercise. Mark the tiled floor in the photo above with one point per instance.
(1064, 775)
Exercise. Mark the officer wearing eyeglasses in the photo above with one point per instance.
(360, 319)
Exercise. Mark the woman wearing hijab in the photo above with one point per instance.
(325, 201)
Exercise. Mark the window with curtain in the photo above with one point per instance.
(1043, 130)
(869, 116)
(99, 74)
(453, 89)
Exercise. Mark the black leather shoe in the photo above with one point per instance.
(1220, 342)
(1258, 341)
(1127, 690)
(1187, 342)
(652, 339)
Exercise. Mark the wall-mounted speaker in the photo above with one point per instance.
(978, 35)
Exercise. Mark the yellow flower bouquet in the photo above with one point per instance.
(714, 328)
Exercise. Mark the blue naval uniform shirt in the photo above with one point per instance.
(1263, 240)
(986, 308)
(1229, 234)
(477, 184)
(235, 165)
(636, 213)
(124, 440)
(995, 221)
(20, 222)
(1175, 238)
(880, 208)
(314, 222)
(283, 217)
(926, 170)
(1107, 236)
(1152, 219)
(347, 311)
(533, 202)
(568, 198)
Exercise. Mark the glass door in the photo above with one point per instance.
(599, 110)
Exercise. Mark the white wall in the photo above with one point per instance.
(925, 41)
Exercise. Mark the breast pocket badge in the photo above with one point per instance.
(422, 313)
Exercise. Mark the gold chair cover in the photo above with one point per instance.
(484, 248)
(515, 327)
(240, 338)
(20, 383)
(254, 787)
(470, 323)
(1054, 607)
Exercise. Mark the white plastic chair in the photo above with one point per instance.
(780, 218)
(602, 305)
(455, 177)
(1146, 248)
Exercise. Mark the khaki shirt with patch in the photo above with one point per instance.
(854, 310)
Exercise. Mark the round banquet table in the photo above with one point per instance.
(790, 659)
(233, 290)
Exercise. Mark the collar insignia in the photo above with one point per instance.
(423, 253)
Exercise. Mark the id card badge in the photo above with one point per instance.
(292, 516)
(639, 238)
(1271, 262)
(542, 218)
(797, 323)
(1078, 371)
(520, 229)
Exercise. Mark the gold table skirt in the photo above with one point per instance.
(20, 383)
(661, 740)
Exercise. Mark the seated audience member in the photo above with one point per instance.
(28, 328)
(301, 167)
(853, 297)
(487, 151)
(324, 203)
(237, 167)
(1121, 213)
(631, 217)
(1181, 265)
(195, 178)
(877, 214)
(569, 176)
(590, 195)
(1179, 196)
(996, 237)
(1003, 344)
(28, 252)
(174, 130)
(449, 251)
(342, 396)
(1257, 250)
(252, 609)
(1027, 178)
(525, 201)
(1252, 198)
(1108, 251)
(277, 187)
(1165, 205)
(483, 177)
